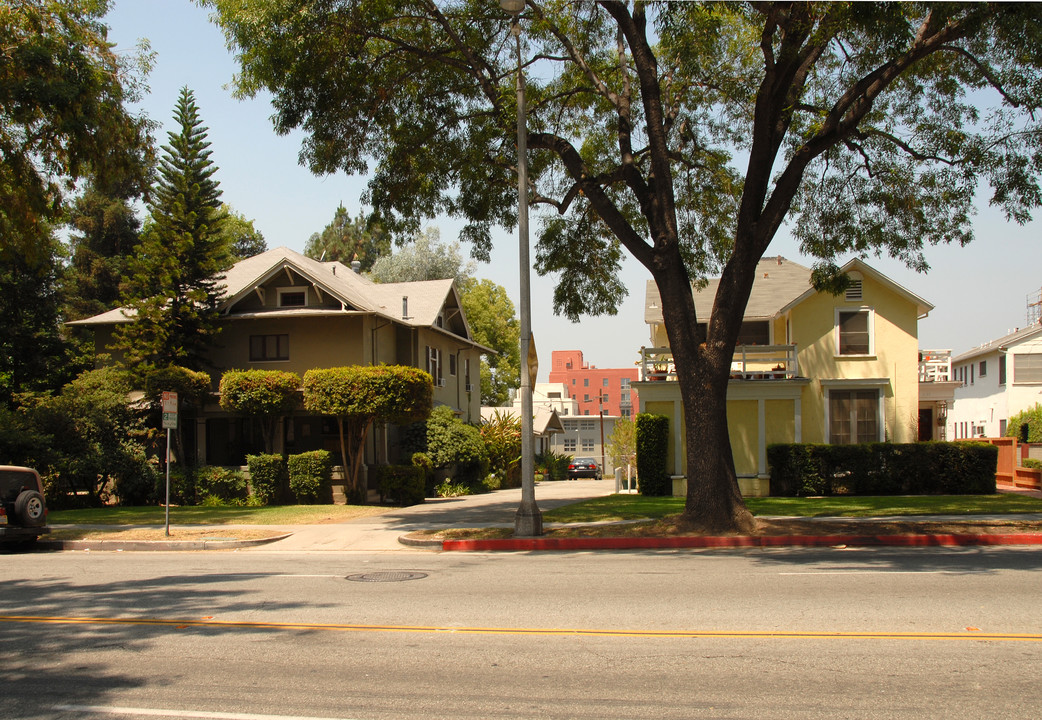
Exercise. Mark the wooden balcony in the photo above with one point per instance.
(750, 362)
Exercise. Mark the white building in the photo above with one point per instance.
(996, 381)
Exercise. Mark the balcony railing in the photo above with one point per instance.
(935, 365)
(750, 362)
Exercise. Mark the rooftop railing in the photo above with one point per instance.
(935, 365)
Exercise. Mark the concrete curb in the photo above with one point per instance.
(739, 541)
(155, 545)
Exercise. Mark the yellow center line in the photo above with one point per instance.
(573, 632)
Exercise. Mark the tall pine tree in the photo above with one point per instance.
(173, 284)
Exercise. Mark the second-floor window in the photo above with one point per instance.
(854, 332)
(269, 348)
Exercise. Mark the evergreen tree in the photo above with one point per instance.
(346, 240)
(105, 231)
(33, 354)
(174, 285)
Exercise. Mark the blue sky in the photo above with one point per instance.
(979, 292)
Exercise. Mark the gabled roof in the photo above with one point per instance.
(856, 265)
(779, 286)
(544, 420)
(1003, 344)
(426, 299)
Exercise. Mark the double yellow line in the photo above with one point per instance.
(210, 623)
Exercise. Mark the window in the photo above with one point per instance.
(626, 412)
(571, 425)
(853, 416)
(586, 382)
(586, 397)
(434, 365)
(1003, 423)
(292, 297)
(1027, 368)
(983, 368)
(1002, 369)
(604, 382)
(452, 365)
(752, 332)
(587, 425)
(624, 382)
(854, 330)
(604, 399)
(570, 444)
(588, 445)
(466, 371)
(269, 348)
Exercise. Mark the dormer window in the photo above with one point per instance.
(292, 297)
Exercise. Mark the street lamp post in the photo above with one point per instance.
(528, 521)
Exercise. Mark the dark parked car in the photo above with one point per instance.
(23, 511)
(583, 467)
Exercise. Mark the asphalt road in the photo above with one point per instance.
(788, 633)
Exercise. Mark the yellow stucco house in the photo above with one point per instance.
(284, 311)
(809, 367)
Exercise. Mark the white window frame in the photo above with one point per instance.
(871, 331)
(878, 385)
(292, 290)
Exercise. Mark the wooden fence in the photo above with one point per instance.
(1008, 472)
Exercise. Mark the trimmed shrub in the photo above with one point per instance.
(267, 477)
(221, 485)
(456, 449)
(310, 475)
(403, 484)
(652, 451)
(929, 468)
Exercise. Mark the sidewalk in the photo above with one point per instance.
(391, 531)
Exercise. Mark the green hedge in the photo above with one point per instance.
(403, 484)
(220, 485)
(652, 450)
(311, 475)
(267, 477)
(930, 468)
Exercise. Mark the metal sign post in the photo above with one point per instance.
(169, 401)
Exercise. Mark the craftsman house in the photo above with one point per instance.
(284, 311)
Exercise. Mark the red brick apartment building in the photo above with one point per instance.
(587, 384)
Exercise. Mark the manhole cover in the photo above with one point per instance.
(396, 576)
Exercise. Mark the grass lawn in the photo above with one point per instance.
(632, 507)
(274, 515)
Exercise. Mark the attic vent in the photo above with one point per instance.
(854, 291)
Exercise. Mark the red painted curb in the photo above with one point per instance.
(739, 541)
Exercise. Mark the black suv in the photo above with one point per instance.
(23, 512)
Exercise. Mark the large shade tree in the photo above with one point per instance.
(683, 133)
(64, 111)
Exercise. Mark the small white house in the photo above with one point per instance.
(996, 381)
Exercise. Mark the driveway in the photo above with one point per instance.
(381, 532)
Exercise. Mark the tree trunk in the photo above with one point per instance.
(703, 361)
